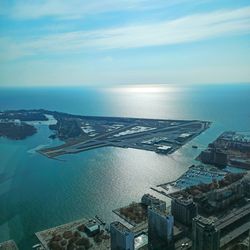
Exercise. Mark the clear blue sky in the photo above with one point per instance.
(101, 42)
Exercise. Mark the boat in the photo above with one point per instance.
(102, 222)
(194, 146)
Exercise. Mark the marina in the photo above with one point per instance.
(197, 174)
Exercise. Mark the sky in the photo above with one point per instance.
(115, 42)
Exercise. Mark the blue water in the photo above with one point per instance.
(37, 193)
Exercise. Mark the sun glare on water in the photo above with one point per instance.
(144, 89)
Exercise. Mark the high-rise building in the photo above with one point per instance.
(150, 200)
(205, 234)
(160, 229)
(121, 237)
(214, 156)
(183, 210)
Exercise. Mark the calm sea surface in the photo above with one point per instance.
(37, 193)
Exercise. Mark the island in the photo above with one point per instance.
(80, 133)
(16, 130)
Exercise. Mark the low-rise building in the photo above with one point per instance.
(92, 228)
(163, 149)
(183, 137)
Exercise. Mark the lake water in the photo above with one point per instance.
(37, 193)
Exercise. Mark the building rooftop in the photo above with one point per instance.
(160, 212)
(204, 221)
(184, 135)
(152, 198)
(92, 227)
(164, 147)
(141, 240)
(120, 227)
(184, 201)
